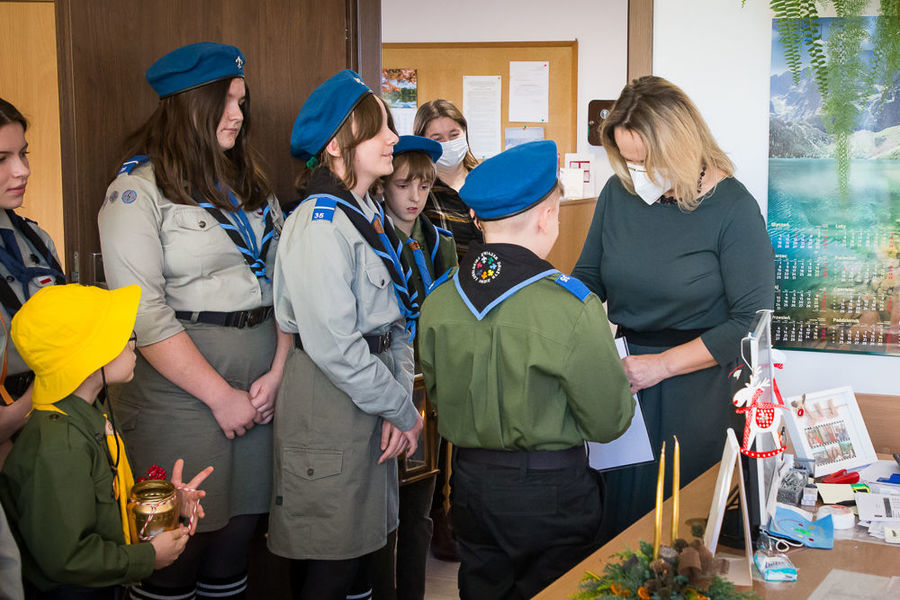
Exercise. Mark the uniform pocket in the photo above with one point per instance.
(311, 481)
(194, 218)
(377, 275)
(311, 464)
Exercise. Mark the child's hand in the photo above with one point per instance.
(189, 495)
(168, 546)
(263, 393)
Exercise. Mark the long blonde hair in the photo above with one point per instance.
(678, 141)
(436, 109)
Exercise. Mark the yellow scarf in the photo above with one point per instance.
(124, 480)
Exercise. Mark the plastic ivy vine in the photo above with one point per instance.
(844, 81)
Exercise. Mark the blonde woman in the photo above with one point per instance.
(679, 251)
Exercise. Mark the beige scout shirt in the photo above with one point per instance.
(331, 288)
(178, 254)
(15, 364)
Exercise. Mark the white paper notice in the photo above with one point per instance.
(632, 447)
(481, 107)
(529, 91)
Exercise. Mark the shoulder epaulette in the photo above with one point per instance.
(444, 278)
(444, 231)
(324, 209)
(132, 163)
(574, 286)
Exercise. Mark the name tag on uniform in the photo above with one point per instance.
(43, 281)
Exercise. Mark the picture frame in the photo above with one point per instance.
(827, 427)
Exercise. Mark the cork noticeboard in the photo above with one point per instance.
(442, 66)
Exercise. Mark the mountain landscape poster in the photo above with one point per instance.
(836, 248)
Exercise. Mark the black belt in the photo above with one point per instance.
(659, 339)
(18, 383)
(377, 343)
(239, 318)
(538, 460)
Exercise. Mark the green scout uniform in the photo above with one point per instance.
(185, 262)
(332, 500)
(57, 490)
(519, 358)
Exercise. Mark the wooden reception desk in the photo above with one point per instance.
(812, 565)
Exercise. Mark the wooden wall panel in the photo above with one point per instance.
(28, 79)
(106, 46)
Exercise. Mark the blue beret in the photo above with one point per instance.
(413, 143)
(513, 181)
(194, 65)
(325, 111)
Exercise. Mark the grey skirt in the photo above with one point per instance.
(331, 500)
(161, 423)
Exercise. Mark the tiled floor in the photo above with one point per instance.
(440, 580)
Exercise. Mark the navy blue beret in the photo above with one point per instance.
(194, 65)
(325, 111)
(411, 143)
(513, 181)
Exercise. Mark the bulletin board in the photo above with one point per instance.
(442, 66)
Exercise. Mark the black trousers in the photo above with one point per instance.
(411, 541)
(520, 529)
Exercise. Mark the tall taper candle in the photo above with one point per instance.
(657, 532)
(676, 482)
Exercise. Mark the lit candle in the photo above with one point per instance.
(657, 532)
(676, 481)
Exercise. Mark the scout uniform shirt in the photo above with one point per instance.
(179, 255)
(518, 356)
(57, 490)
(31, 258)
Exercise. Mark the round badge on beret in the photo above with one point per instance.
(513, 181)
(325, 111)
(194, 65)
(413, 143)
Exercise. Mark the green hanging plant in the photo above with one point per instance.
(841, 76)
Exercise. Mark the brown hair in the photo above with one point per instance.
(363, 123)
(436, 109)
(9, 114)
(419, 167)
(677, 139)
(180, 140)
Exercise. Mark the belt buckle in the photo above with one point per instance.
(384, 342)
(242, 318)
(252, 319)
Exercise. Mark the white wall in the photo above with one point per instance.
(600, 26)
(720, 54)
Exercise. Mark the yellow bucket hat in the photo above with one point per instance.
(66, 332)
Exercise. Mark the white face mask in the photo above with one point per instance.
(643, 187)
(453, 152)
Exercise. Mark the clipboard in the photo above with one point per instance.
(632, 447)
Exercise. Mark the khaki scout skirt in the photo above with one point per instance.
(331, 498)
(161, 423)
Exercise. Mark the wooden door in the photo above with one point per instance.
(105, 46)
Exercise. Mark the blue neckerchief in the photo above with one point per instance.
(241, 233)
(12, 259)
(419, 257)
(389, 254)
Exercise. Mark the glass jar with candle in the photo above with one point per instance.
(152, 509)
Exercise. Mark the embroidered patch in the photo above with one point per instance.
(113, 195)
(486, 267)
(129, 196)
